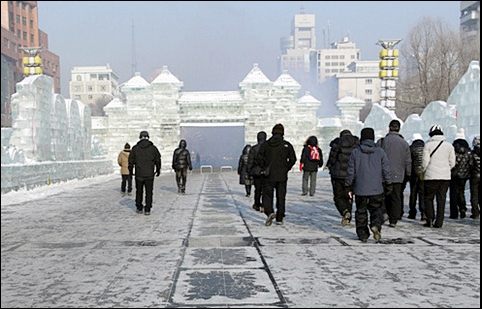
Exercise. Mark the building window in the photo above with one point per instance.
(18, 19)
(327, 71)
(24, 21)
(31, 23)
(342, 64)
(32, 38)
(103, 76)
(76, 88)
(24, 35)
(327, 57)
(77, 97)
(5, 42)
(368, 100)
(334, 70)
(334, 57)
(102, 88)
(368, 81)
(89, 88)
(17, 3)
(79, 78)
(342, 56)
(23, 6)
(368, 91)
(90, 97)
(19, 33)
(327, 64)
(352, 56)
(93, 76)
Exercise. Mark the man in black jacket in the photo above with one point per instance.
(144, 162)
(277, 156)
(254, 169)
(340, 151)
(181, 161)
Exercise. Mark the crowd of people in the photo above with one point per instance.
(371, 174)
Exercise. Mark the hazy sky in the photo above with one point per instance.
(213, 45)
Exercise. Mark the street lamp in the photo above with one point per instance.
(33, 63)
(388, 72)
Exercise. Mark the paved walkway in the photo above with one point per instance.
(86, 247)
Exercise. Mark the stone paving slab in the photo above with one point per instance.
(84, 246)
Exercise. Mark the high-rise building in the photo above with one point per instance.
(90, 84)
(19, 32)
(470, 19)
(298, 49)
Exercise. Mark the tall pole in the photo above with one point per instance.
(388, 72)
(134, 62)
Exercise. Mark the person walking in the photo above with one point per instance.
(311, 159)
(144, 163)
(367, 172)
(437, 162)
(244, 177)
(416, 178)
(340, 151)
(475, 178)
(255, 170)
(277, 156)
(460, 174)
(181, 162)
(398, 152)
(123, 161)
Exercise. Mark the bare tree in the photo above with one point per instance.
(97, 108)
(433, 59)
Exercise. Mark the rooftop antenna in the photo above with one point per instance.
(134, 63)
(329, 40)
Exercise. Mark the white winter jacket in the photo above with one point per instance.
(439, 166)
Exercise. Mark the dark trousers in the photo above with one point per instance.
(181, 178)
(416, 192)
(340, 196)
(364, 205)
(393, 203)
(148, 184)
(126, 183)
(457, 196)
(437, 189)
(475, 196)
(309, 182)
(258, 190)
(268, 195)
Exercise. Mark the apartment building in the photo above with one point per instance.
(298, 49)
(19, 21)
(92, 83)
(470, 19)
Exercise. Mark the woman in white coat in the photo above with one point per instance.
(437, 163)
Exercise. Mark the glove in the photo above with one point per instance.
(190, 168)
(158, 173)
(388, 189)
(301, 166)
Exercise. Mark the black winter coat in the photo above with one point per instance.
(308, 164)
(475, 163)
(341, 148)
(253, 155)
(462, 159)
(279, 155)
(416, 151)
(244, 177)
(144, 160)
(181, 157)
